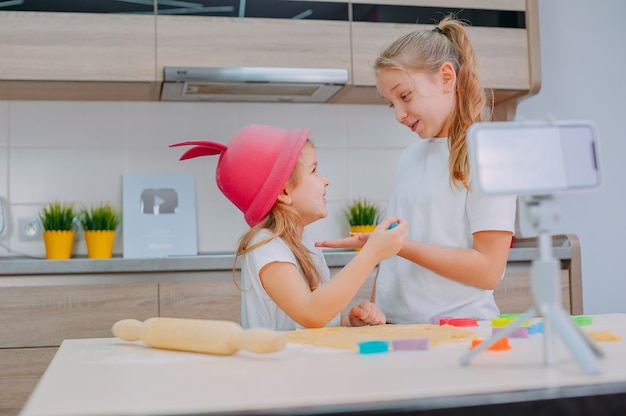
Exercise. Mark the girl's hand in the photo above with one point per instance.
(387, 239)
(356, 241)
(367, 313)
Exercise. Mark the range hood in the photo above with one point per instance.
(260, 84)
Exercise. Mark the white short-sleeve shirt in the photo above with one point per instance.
(437, 213)
(257, 308)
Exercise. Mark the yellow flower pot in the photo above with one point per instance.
(360, 229)
(58, 244)
(100, 243)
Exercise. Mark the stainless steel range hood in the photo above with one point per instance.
(260, 84)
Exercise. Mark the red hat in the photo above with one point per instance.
(254, 165)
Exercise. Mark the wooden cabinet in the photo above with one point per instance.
(70, 56)
(35, 320)
(111, 56)
(508, 56)
(221, 41)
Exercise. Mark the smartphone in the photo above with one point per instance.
(533, 157)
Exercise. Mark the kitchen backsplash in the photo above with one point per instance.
(78, 151)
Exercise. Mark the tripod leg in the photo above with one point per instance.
(465, 358)
(577, 343)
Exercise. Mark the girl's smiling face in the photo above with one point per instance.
(422, 101)
(308, 194)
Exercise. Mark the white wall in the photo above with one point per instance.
(583, 59)
(77, 151)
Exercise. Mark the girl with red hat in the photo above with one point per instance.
(271, 175)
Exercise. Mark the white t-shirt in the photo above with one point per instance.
(437, 213)
(257, 308)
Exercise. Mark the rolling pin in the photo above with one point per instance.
(199, 335)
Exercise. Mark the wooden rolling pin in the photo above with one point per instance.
(199, 335)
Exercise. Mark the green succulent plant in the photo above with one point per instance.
(100, 217)
(362, 212)
(58, 216)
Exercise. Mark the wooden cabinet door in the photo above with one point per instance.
(503, 52)
(223, 41)
(213, 297)
(77, 56)
(44, 46)
(45, 316)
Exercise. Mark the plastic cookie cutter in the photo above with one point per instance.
(373, 347)
(582, 320)
(406, 344)
(517, 332)
(501, 344)
(463, 322)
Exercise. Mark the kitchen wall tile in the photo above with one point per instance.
(220, 226)
(327, 122)
(371, 173)
(4, 172)
(376, 126)
(333, 165)
(66, 123)
(40, 175)
(161, 124)
(52, 143)
(4, 123)
(4, 222)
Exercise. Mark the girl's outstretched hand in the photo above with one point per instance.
(356, 241)
(387, 238)
(367, 313)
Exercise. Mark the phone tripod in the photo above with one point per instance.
(544, 280)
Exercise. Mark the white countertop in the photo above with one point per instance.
(108, 376)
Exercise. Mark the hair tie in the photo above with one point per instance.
(438, 30)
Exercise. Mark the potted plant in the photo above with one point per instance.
(362, 215)
(57, 220)
(99, 223)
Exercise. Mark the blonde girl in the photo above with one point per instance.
(458, 243)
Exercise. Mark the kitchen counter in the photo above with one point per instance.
(107, 376)
(213, 267)
(207, 261)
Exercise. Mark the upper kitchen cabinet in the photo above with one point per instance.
(77, 50)
(268, 33)
(504, 34)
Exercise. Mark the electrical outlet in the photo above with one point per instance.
(30, 229)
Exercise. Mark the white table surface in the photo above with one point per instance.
(107, 376)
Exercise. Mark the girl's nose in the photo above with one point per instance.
(401, 116)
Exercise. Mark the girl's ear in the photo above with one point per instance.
(284, 198)
(448, 76)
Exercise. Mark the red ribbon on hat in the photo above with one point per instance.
(201, 148)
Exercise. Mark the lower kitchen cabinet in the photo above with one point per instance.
(217, 299)
(35, 320)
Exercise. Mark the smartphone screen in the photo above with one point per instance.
(533, 158)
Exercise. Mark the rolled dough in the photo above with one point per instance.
(348, 337)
